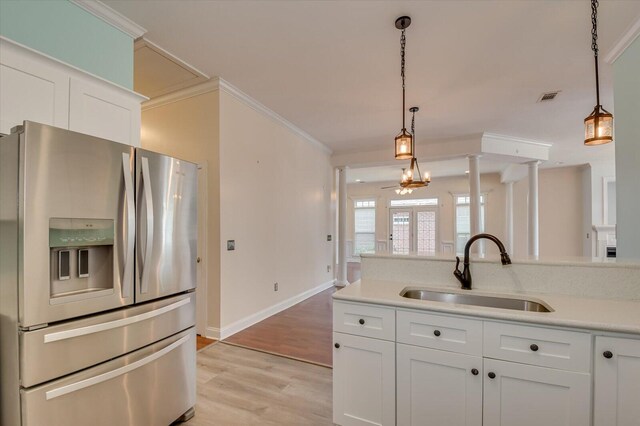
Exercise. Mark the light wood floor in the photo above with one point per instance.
(243, 387)
(303, 331)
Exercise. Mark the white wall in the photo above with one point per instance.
(626, 71)
(189, 129)
(560, 203)
(276, 203)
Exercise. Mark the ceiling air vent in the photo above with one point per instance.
(549, 96)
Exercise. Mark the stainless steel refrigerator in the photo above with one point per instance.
(98, 272)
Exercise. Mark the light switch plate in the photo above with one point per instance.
(231, 245)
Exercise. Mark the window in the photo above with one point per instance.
(365, 226)
(463, 219)
(411, 203)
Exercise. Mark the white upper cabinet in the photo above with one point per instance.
(617, 382)
(38, 88)
(31, 89)
(100, 111)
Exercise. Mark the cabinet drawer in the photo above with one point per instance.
(364, 320)
(566, 350)
(440, 332)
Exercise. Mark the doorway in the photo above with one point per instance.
(414, 230)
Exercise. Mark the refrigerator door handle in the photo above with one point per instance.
(127, 278)
(91, 329)
(146, 178)
(73, 387)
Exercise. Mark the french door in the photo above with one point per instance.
(413, 230)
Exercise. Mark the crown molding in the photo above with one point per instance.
(180, 95)
(217, 83)
(111, 17)
(249, 101)
(625, 41)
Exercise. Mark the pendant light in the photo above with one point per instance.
(412, 177)
(404, 140)
(598, 126)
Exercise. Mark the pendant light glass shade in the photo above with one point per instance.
(404, 145)
(598, 127)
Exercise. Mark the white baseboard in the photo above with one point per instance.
(248, 321)
(212, 333)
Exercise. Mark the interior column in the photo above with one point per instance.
(509, 216)
(474, 202)
(342, 227)
(534, 248)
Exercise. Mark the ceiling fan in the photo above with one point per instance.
(400, 190)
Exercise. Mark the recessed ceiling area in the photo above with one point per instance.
(332, 67)
(436, 169)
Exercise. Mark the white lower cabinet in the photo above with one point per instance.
(617, 382)
(438, 388)
(363, 381)
(526, 395)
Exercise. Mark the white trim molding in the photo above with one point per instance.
(241, 324)
(217, 83)
(249, 101)
(625, 41)
(111, 17)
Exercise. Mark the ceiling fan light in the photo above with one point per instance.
(404, 144)
(598, 127)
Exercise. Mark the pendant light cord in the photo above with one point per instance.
(594, 44)
(403, 42)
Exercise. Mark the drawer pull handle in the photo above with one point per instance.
(361, 321)
(492, 375)
(607, 354)
(534, 347)
(436, 333)
(83, 331)
(337, 345)
(475, 371)
(63, 390)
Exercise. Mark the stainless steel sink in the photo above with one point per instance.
(518, 304)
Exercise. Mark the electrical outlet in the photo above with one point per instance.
(275, 286)
(231, 245)
(329, 237)
(328, 268)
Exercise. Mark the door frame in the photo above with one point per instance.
(201, 268)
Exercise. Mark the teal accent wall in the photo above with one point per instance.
(626, 121)
(70, 34)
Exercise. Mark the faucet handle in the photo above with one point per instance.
(458, 263)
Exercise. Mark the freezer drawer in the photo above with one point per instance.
(69, 347)
(152, 386)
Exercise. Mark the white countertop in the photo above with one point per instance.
(620, 316)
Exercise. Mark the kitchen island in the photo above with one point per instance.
(402, 361)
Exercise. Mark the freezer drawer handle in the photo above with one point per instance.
(82, 331)
(131, 226)
(54, 393)
(146, 177)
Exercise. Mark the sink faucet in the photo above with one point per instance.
(465, 276)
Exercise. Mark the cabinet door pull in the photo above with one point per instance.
(436, 333)
(475, 371)
(492, 375)
(337, 345)
(607, 354)
(534, 347)
(361, 321)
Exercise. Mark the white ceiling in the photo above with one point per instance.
(332, 67)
